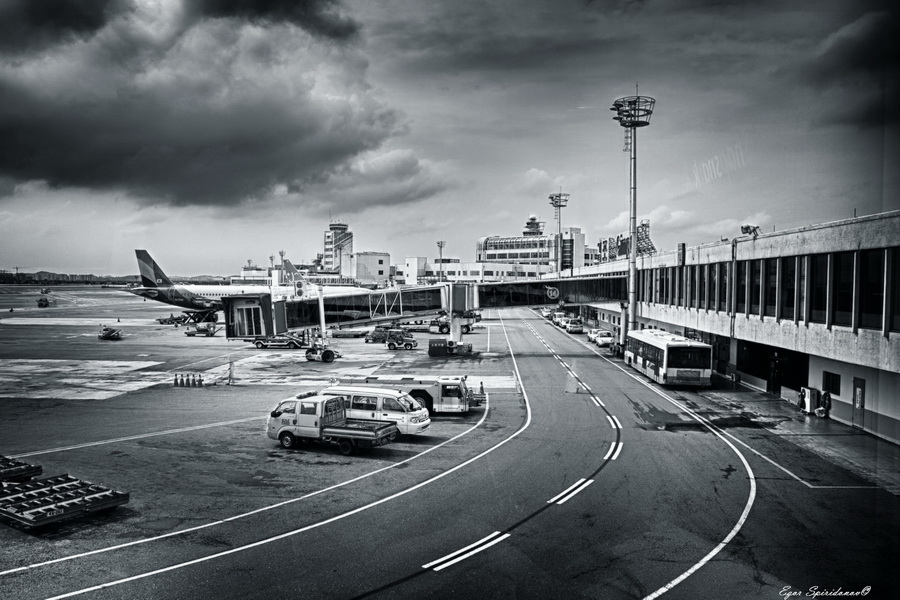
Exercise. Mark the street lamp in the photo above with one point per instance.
(440, 245)
(559, 201)
(633, 112)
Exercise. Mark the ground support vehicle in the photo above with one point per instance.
(442, 347)
(383, 404)
(172, 320)
(407, 343)
(203, 329)
(320, 352)
(323, 418)
(108, 333)
(442, 324)
(668, 358)
(16, 470)
(416, 326)
(45, 303)
(382, 333)
(50, 499)
(348, 333)
(437, 394)
(283, 340)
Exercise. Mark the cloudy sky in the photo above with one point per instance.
(211, 132)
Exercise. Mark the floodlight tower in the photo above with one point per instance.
(559, 201)
(632, 112)
(440, 245)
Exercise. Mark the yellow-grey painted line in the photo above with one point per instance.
(135, 437)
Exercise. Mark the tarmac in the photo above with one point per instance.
(868, 456)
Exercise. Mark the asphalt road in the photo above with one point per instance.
(576, 479)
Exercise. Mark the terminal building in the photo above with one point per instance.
(815, 307)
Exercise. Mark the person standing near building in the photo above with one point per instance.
(825, 404)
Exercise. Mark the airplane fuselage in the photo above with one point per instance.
(206, 297)
(209, 297)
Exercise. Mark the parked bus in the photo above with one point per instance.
(669, 359)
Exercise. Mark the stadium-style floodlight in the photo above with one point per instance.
(440, 245)
(559, 201)
(633, 112)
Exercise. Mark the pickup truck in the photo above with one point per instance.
(315, 417)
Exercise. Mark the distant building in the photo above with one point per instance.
(372, 268)
(418, 271)
(535, 248)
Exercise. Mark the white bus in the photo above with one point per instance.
(669, 359)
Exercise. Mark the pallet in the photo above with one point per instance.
(51, 499)
(16, 470)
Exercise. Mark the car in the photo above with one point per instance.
(602, 337)
(574, 325)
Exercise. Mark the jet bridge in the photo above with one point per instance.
(250, 316)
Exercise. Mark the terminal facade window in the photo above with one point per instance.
(701, 285)
(842, 288)
(741, 288)
(770, 283)
(788, 286)
(831, 383)
(722, 286)
(871, 284)
(755, 285)
(818, 287)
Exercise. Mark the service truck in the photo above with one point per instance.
(437, 394)
(321, 418)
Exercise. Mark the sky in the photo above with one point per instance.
(217, 132)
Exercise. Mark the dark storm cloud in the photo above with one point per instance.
(190, 109)
(32, 24)
(316, 16)
(856, 66)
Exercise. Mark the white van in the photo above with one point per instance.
(379, 404)
(574, 325)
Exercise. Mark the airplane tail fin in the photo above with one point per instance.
(290, 269)
(151, 274)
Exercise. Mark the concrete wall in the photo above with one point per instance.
(882, 410)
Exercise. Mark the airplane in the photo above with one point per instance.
(156, 285)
